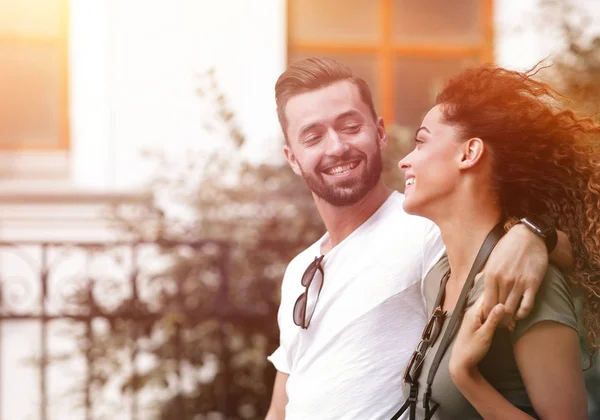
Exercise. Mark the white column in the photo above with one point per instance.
(91, 117)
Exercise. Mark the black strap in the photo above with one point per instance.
(430, 411)
(484, 252)
(411, 402)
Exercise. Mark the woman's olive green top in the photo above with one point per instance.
(553, 302)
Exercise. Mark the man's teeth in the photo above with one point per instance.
(410, 181)
(342, 168)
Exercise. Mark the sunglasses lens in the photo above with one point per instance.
(432, 329)
(300, 310)
(312, 280)
(436, 328)
(312, 293)
(308, 275)
(429, 337)
(435, 332)
(409, 368)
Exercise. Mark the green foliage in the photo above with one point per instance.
(575, 68)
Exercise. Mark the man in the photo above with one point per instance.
(350, 319)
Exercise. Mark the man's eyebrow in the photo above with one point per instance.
(351, 113)
(422, 128)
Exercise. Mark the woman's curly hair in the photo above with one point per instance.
(546, 162)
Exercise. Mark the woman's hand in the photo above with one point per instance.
(474, 339)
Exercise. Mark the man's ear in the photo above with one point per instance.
(471, 153)
(381, 133)
(291, 158)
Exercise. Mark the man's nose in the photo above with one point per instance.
(335, 145)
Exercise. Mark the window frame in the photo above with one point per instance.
(386, 49)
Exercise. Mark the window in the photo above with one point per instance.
(33, 78)
(404, 49)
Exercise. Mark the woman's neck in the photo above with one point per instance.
(464, 228)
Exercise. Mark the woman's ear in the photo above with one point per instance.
(472, 153)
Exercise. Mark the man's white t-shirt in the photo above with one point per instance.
(368, 319)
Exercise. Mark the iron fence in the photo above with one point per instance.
(133, 289)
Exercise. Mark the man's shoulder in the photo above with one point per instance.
(301, 261)
(305, 256)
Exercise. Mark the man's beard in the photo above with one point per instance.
(346, 193)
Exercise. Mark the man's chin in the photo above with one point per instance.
(344, 197)
(341, 192)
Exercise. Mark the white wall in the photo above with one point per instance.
(133, 78)
(134, 65)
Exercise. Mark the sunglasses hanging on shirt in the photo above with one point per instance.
(305, 305)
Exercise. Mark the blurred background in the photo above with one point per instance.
(146, 214)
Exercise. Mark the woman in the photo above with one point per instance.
(498, 146)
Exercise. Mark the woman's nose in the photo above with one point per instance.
(403, 164)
